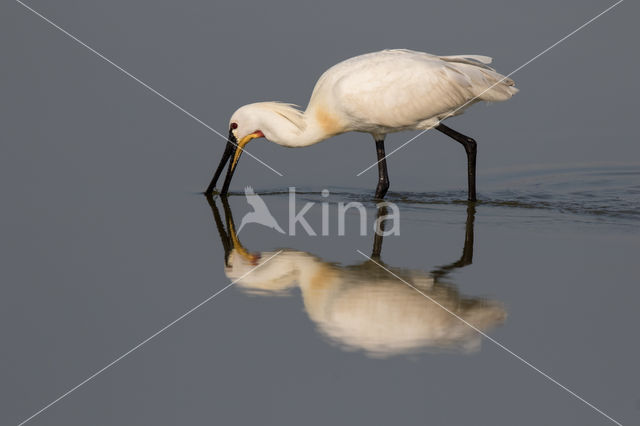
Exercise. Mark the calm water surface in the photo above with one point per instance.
(547, 264)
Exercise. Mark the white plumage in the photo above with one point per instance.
(377, 93)
(361, 309)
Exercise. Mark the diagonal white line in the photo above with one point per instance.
(498, 82)
(145, 85)
(500, 345)
(145, 341)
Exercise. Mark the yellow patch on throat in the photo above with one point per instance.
(322, 279)
(328, 121)
(318, 290)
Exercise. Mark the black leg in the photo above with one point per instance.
(379, 233)
(383, 177)
(227, 244)
(467, 250)
(471, 148)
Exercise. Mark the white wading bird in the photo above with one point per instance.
(364, 306)
(376, 93)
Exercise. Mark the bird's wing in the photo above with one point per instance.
(404, 89)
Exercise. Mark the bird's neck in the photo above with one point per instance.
(309, 127)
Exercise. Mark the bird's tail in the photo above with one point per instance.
(500, 87)
(477, 60)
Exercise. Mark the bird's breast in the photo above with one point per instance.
(328, 121)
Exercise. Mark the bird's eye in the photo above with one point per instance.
(234, 125)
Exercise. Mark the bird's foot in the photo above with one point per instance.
(381, 191)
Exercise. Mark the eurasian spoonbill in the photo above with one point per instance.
(377, 93)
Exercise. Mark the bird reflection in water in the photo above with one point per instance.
(364, 307)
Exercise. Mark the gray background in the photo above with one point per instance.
(576, 102)
(104, 239)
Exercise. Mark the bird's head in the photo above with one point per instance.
(257, 120)
(244, 126)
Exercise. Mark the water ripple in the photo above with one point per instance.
(597, 191)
